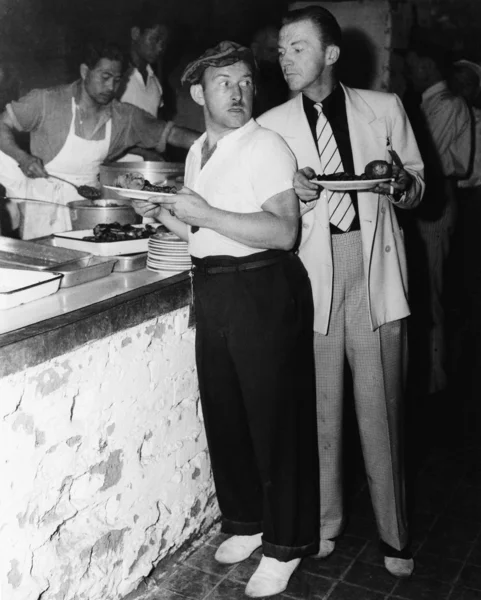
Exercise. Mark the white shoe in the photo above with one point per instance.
(326, 547)
(271, 577)
(237, 548)
(399, 567)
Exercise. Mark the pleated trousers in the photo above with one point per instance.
(257, 387)
(377, 360)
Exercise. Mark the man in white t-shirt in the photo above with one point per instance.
(140, 85)
(148, 36)
(254, 318)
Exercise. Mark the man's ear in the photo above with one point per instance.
(332, 54)
(135, 33)
(83, 71)
(197, 93)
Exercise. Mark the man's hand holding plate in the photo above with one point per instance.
(400, 183)
(306, 191)
(188, 206)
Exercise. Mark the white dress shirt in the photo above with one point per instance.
(249, 166)
(146, 95)
(449, 122)
(475, 178)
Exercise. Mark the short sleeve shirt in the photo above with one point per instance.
(145, 95)
(47, 115)
(249, 166)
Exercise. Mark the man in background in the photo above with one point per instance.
(271, 88)
(140, 85)
(148, 37)
(444, 129)
(465, 81)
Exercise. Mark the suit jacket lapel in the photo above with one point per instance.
(368, 135)
(297, 133)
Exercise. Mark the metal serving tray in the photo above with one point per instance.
(19, 286)
(26, 255)
(74, 240)
(130, 262)
(122, 264)
(75, 275)
(77, 272)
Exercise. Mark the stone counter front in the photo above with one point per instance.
(103, 463)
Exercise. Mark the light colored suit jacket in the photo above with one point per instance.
(374, 119)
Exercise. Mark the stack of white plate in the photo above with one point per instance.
(167, 252)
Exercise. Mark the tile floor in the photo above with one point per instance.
(444, 494)
(446, 529)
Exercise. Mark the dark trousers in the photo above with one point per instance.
(257, 387)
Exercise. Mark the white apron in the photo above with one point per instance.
(78, 161)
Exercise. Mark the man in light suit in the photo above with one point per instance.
(357, 269)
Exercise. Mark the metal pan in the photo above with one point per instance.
(130, 262)
(76, 274)
(28, 254)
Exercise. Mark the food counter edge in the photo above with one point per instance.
(54, 337)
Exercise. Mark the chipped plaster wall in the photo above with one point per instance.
(103, 465)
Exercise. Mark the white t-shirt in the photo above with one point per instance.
(249, 166)
(147, 96)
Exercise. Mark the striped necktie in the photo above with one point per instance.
(341, 208)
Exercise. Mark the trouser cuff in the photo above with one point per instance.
(287, 553)
(388, 550)
(241, 528)
(332, 530)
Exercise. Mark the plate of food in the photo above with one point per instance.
(109, 239)
(134, 185)
(154, 195)
(377, 171)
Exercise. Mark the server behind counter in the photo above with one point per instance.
(74, 128)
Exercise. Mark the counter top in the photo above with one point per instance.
(38, 331)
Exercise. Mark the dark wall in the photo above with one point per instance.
(36, 31)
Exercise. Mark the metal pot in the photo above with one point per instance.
(85, 214)
(158, 172)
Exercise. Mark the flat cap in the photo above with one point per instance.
(224, 54)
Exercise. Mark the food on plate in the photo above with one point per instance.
(159, 189)
(115, 232)
(378, 169)
(130, 181)
(89, 192)
(341, 176)
(136, 181)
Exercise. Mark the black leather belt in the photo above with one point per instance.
(198, 264)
